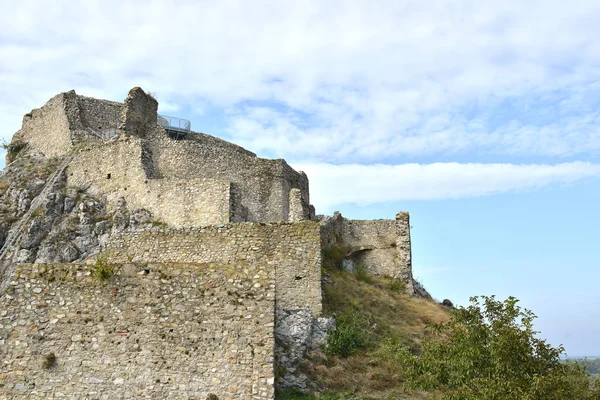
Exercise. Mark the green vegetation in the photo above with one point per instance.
(348, 337)
(489, 350)
(332, 257)
(102, 270)
(298, 395)
(367, 313)
(361, 273)
(593, 365)
(393, 346)
(13, 149)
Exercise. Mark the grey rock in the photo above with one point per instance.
(24, 256)
(69, 204)
(102, 227)
(69, 253)
(72, 193)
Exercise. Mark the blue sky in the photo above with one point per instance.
(482, 119)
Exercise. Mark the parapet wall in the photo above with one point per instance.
(177, 331)
(382, 246)
(294, 251)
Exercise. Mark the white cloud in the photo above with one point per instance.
(355, 82)
(333, 185)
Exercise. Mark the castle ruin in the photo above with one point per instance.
(197, 303)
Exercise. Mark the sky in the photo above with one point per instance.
(480, 118)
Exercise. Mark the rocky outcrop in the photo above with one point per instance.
(69, 225)
(296, 332)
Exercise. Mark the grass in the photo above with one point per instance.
(383, 313)
(333, 256)
(160, 224)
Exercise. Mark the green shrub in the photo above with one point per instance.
(489, 350)
(13, 150)
(333, 256)
(102, 270)
(397, 285)
(348, 337)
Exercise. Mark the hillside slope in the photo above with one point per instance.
(370, 312)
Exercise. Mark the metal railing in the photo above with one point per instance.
(106, 133)
(176, 127)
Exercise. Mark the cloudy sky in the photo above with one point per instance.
(481, 118)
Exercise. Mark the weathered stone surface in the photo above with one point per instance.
(382, 246)
(293, 248)
(296, 332)
(178, 331)
(139, 114)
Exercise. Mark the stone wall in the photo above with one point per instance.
(115, 170)
(299, 209)
(382, 246)
(293, 249)
(177, 331)
(139, 113)
(102, 116)
(47, 129)
(260, 187)
(225, 182)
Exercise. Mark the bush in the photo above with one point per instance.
(397, 285)
(102, 270)
(13, 150)
(489, 350)
(348, 337)
(333, 256)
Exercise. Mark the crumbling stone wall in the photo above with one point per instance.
(224, 182)
(102, 116)
(47, 129)
(177, 331)
(139, 113)
(260, 187)
(299, 209)
(382, 246)
(115, 170)
(293, 249)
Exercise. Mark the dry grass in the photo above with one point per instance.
(389, 313)
(384, 313)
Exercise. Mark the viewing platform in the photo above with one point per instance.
(176, 128)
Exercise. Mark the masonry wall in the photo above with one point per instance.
(260, 187)
(293, 249)
(46, 129)
(177, 331)
(139, 114)
(99, 115)
(382, 246)
(115, 169)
